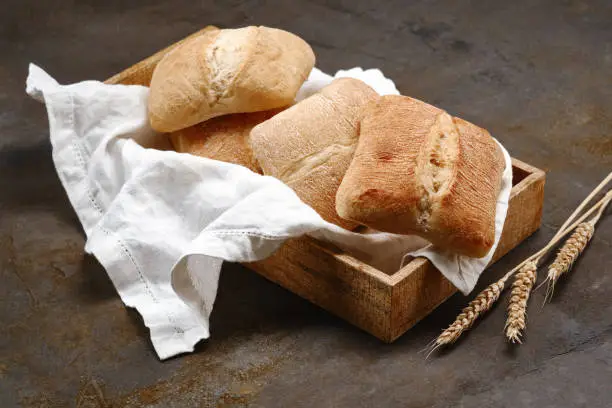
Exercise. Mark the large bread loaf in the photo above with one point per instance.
(418, 170)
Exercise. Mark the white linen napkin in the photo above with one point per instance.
(161, 223)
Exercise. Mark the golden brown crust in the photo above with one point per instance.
(310, 145)
(176, 96)
(466, 219)
(278, 63)
(222, 72)
(417, 170)
(225, 138)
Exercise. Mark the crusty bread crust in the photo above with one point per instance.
(221, 72)
(310, 145)
(418, 170)
(224, 138)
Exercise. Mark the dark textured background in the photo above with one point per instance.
(537, 74)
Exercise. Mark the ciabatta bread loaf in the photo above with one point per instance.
(310, 145)
(418, 170)
(227, 71)
(225, 138)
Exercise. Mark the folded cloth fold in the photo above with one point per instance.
(161, 223)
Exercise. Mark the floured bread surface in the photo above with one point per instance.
(435, 166)
(222, 72)
(418, 170)
(224, 57)
(225, 138)
(310, 145)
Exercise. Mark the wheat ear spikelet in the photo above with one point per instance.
(468, 316)
(570, 251)
(517, 306)
(572, 248)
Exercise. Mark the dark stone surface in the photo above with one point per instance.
(536, 73)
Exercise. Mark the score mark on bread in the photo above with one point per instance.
(310, 145)
(227, 71)
(435, 164)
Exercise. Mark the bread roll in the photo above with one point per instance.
(227, 71)
(310, 145)
(225, 138)
(418, 170)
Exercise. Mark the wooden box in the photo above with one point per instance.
(386, 305)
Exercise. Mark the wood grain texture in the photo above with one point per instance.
(332, 280)
(383, 305)
(388, 305)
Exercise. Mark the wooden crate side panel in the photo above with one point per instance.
(305, 268)
(415, 296)
(420, 287)
(524, 213)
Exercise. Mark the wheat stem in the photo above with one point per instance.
(584, 202)
(598, 206)
(538, 255)
(597, 216)
(527, 275)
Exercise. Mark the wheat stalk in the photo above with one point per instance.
(587, 200)
(571, 250)
(487, 298)
(468, 316)
(526, 278)
(517, 307)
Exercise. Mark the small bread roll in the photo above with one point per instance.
(310, 145)
(418, 170)
(227, 71)
(225, 138)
